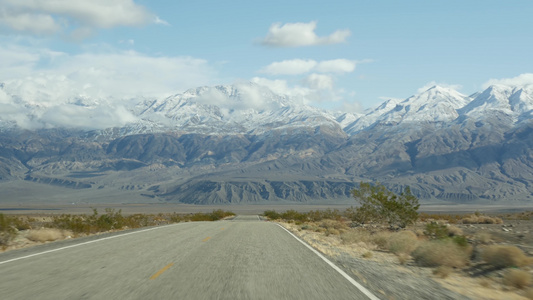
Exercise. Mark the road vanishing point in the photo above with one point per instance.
(243, 258)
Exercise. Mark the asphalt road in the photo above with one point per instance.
(244, 258)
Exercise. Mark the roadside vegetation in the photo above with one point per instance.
(46, 228)
(389, 223)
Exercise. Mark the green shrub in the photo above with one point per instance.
(436, 230)
(272, 214)
(75, 223)
(460, 240)
(380, 205)
(294, 216)
(213, 216)
(319, 215)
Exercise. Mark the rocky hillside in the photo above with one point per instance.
(244, 143)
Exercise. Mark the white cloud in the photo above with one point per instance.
(319, 82)
(336, 66)
(18, 61)
(316, 90)
(276, 85)
(94, 117)
(300, 94)
(78, 17)
(248, 97)
(350, 107)
(30, 22)
(254, 98)
(301, 34)
(54, 82)
(116, 73)
(212, 97)
(301, 66)
(157, 20)
(441, 84)
(290, 67)
(518, 81)
(129, 42)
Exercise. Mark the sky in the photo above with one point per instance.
(343, 55)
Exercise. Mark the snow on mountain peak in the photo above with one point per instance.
(249, 107)
(436, 104)
(240, 108)
(499, 98)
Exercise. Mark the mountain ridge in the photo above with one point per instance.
(198, 147)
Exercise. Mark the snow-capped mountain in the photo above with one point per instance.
(240, 109)
(249, 108)
(511, 101)
(371, 117)
(435, 105)
(245, 143)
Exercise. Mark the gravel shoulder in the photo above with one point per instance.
(383, 274)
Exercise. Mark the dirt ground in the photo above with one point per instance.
(475, 281)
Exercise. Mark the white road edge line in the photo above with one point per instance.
(339, 270)
(84, 243)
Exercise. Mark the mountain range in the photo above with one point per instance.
(244, 143)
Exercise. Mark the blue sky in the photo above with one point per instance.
(347, 55)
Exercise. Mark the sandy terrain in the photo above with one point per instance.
(476, 281)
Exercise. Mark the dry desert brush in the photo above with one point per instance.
(504, 256)
(443, 252)
(7, 230)
(517, 278)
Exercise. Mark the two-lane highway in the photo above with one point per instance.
(244, 258)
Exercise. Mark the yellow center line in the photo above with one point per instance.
(206, 239)
(221, 228)
(161, 271)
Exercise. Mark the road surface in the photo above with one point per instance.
(244, 258)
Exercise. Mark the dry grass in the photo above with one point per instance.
(48, 235)
(333, 227)
(403, 242)
(403, 258)
(424, 217)
(381, 239)
(517, 278)
(454, 230)
(503, 256)
(333, 224)
(447, 255)
(485, 282)
(442, 271)
(356, 236)
(441, 253)
(529, 293)
(483, 237)
(481, 219)
(332, 231)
